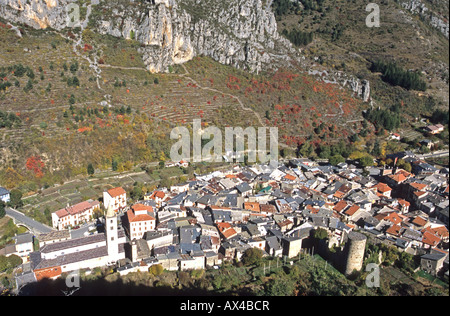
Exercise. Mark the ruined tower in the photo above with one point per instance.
(356, 246)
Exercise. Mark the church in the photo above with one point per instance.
(89, 252)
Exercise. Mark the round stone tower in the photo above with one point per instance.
(356, 245)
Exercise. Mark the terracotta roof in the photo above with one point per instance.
(340, 206)
(440, 231)
(419, 193)
(399, 178)
(157, 194)
(394, 218)
(252, 206)
(132, 218)
(383, 187)
(403, 202)
(226, 230)
(267, 208)
(419, 221)
(77, 208)
(394, 230)
(289, 177)
(142, 207)
(116, 192)
(430, 239)
(352, 210)
(418, 186)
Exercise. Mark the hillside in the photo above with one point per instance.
(112, 88)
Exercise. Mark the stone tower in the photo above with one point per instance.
(356, 246)
(112, 236)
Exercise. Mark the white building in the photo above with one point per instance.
(89, 252)
(139, 221)
(4, 195)
(72, 216)
(115, 198)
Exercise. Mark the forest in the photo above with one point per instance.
(397, 76)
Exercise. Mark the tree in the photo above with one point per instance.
(320, 233)
(252, 256)
(2, 209)
(16, 198)
(90, 169)
(336, 159)
(366, 161)
(114, 165)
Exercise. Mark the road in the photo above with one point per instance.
(441, 153)
(20, 219)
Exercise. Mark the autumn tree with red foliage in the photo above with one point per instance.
(36, 165)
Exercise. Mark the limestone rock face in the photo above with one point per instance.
(435, 18)
(239, 33)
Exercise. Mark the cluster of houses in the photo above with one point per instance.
(217, 217)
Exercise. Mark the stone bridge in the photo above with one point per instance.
(33, 226)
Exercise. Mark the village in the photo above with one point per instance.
(216, 217)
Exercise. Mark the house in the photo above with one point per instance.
(22, 247)
(5, 195)
(183, 164)
(72, 216)
(340, 206)
(193, 261)
(394, 180)
(395, 136)
(253, 207)
(423, 168)
(384, 190)
(116, 199)
(158, 196)
(429, 240)
(157, 239)
(291, 246)
(433, 263)
(226, 230)
(267, 209)
(434, 129)
(428, 143)
(352, 213)
(258, 242)
(180, 188)
(139, 221)
(404, 206)
(273, 247)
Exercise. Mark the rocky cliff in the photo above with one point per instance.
(234, 32)
(434, 12)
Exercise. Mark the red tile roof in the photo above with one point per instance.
(430, 239)
(132, 217)
(352, 210)
(394, 230)
(383, 187)
(116, 192)
(252, 206)
(340, 206)
(77, 209)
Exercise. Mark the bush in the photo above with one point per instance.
(156, 270)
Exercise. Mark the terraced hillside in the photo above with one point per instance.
(81, 95)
